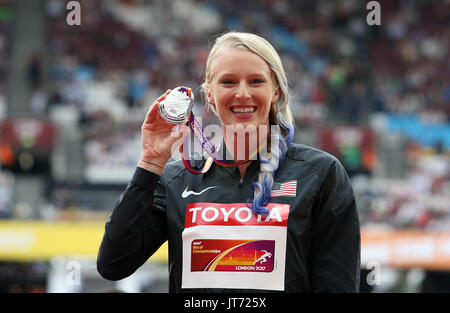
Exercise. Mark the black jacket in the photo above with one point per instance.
(319, 250)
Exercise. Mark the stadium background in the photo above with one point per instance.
(73, 97)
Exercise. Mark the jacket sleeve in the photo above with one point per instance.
(335, 235)
(136, 227)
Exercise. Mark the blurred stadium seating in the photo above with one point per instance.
(72, 100)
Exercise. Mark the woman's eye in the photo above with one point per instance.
(227, 82)
(257, 81)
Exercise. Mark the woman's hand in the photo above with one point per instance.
(157, 137)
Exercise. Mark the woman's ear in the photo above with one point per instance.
(210, 98)
(276, 95)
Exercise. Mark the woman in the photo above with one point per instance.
(287, 222)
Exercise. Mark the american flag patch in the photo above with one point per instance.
(287, 189)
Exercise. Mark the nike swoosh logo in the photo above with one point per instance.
(188, 193)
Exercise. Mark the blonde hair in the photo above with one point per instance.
(280, 112)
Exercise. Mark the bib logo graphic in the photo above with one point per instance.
(220, 255)
(264, 257)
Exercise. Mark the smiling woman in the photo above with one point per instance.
(242, 83)
(285, 221)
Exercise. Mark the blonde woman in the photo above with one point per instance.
(285, 220)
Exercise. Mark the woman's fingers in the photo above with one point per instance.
(180, 131)
(163, 96)
(152, 113)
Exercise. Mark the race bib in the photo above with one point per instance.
(229, 246)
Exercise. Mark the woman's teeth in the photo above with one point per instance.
(243, 110)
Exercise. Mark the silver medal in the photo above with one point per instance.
(177, 106)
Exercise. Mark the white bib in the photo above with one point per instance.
(229, 246)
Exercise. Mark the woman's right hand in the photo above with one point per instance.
(157, 138)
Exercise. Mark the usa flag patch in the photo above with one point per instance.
(286, 189)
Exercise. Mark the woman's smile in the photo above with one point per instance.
(243, 111)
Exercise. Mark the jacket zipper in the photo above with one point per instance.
(238, 189)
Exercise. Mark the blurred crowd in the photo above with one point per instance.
(6, 15)
(419, 201)
(341, 72)
(410, 58)
(105, 73)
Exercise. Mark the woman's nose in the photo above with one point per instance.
(243, 92)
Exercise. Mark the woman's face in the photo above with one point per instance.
(241, 88)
